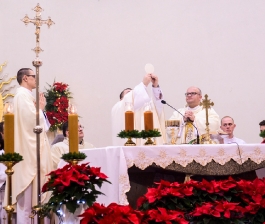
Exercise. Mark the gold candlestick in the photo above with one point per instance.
(129, 142)
(9, 172)
(149, 142)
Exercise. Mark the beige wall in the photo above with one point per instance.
(100, 47)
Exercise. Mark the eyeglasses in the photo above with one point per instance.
(227, 124)
(34, 76)
(191, 94)
(81, 127)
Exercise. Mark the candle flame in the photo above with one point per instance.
(8, 108)
(72, 109)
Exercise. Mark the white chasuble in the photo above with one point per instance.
(187, 131)
(138, 97)
(25, 144)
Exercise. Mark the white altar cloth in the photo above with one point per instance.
(115, 161)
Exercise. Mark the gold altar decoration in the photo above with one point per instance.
(129, 142)
(4, 91)
(206, 104)
(171, 127)
(149, 141)
(2, 65)
(37, 22)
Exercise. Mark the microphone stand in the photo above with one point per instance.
(198, 137)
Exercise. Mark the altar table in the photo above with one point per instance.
(219, 159)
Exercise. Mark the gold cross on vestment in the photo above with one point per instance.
(37, 21)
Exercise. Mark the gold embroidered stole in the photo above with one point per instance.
(188, 132)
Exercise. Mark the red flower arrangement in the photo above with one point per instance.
(57, 97)
(73, 185)
(215, 202)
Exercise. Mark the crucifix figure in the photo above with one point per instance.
(37, 21)
(206, 104)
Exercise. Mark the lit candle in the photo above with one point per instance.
(9, 130)
(148, 121)
(129, 121)
(73, 130)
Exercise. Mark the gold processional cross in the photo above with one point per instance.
(37, 21)
(206, 104)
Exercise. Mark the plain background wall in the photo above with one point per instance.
(99, 47)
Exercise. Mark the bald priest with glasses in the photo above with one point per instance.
(195, 115)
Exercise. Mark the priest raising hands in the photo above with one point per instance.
(138, 97)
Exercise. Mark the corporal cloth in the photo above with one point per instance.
(25, 144)
(138, 97)
(199, 122)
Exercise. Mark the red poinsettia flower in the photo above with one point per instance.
(226, 185)
(210, 187)
(153, 194)
(165, 216)
(89, 215)
(64, 179)
(59, 86)
(140, 201)
(96, 171)
(206, 209)
(226, 207)
(252, 208)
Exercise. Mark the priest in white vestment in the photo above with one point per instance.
(61, 148)
(195, 115)
(228, 125)
(24, 186)
(139, 96)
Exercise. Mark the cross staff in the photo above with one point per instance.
(206, 104)
(37, 21)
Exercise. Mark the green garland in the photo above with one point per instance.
(136, 134)
(73, 155)
(16, 157)
(262, 134)
(150, 134)
(129, 134)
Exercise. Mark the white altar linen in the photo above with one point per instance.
(115, 161)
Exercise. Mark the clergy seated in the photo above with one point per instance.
(58, 138)
(62, 147)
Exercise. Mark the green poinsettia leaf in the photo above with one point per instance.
(72, 206)
(262, 134)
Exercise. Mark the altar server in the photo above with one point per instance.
(228, 125)
(24, 187)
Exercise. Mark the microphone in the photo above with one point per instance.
(198, 137)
